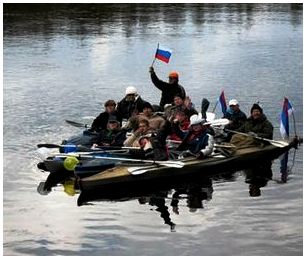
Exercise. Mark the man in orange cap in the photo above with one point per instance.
(168, 89)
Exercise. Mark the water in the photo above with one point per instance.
(64, 61)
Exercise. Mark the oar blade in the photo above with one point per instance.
(76, 124)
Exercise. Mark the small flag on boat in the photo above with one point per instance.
(222, 102)
(284, 118)
(163, 53)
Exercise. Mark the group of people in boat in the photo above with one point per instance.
(147, 129)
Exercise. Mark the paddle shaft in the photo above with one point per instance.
(177, 164)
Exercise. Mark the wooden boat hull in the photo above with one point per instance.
(120, 177)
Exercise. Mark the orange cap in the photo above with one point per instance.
(174, 74)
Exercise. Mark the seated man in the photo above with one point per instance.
(100, 122)
(130, 105)
(180, 104)
(156, 122)
(257, 125)
(235, 116)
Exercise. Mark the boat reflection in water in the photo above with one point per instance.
(175, 194)
(258, 177)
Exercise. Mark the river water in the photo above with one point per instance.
(63, 61)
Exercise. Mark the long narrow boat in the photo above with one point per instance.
(130, 175)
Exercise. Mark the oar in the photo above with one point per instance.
(276, 143)
(54, 145)
(140, 169)
(97, 148)
(217, 122)
(176, 164)
(77, 124)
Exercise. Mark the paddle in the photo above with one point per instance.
(140, 169)
(217, 122)
(276, 143)
(97, 148)
(54, 145)
(77, 124)
(176, 164)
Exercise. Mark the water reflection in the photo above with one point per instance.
(107, 19)
(258, 177)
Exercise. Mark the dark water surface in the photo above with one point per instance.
(63, 61)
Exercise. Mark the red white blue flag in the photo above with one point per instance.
(222, 102)
(284, 118)
(163, 54)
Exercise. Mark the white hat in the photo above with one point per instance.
(130, 90)
(196, 119)
(233, 102)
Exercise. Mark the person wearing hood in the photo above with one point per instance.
(198, 141)
(168, 89)
(130, 105)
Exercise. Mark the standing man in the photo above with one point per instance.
(169, 90)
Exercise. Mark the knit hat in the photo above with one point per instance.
(256, 107)
(174, 74)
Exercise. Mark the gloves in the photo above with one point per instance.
(151, 70)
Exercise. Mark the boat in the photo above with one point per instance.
(153, 174)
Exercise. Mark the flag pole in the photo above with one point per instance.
(155, 55)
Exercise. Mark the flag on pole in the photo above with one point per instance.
(163, 53)
(284, 118)
(222, 102)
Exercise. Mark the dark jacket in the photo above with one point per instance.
(111, 137)
(262, 127)
(168, 90)
(100, 123)
(125, 109)
(237, 118)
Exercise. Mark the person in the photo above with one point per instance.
(142, 129)
(235, 116)
(257, 125)
(183, 122)
(130, 105)
(156, 122)
(151, 147)
(179, 103)
(100, 122)
(113, 135)
(198, 141)
(168, 89)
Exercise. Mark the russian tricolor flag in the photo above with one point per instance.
(222, 102)
(284, 118)
(163, 54)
